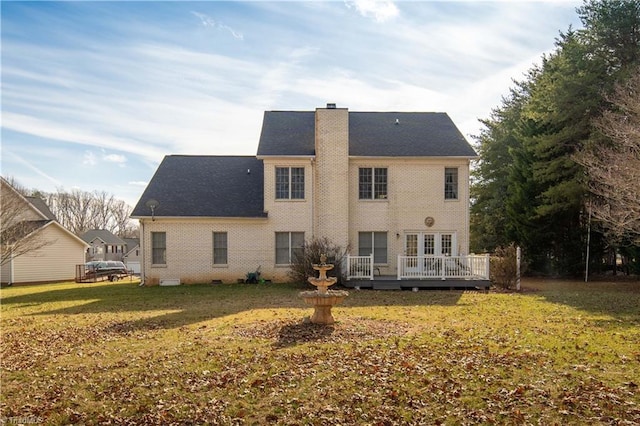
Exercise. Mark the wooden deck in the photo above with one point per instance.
(391, 282)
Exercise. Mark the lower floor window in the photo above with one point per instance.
(373, 242)
(219, 248)
(159, 248)
(288, 244)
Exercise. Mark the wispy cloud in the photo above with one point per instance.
(208, 21)
(115, 158)
(378, 10)
(127, 96)
(34, 169)
(89, 159)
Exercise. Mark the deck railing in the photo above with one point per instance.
(468, 267)
(443, 267)
(360, 267)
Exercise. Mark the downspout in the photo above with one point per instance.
(142, 252)
(312, 198)
(468, 215)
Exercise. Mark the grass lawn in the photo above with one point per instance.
(115, 353)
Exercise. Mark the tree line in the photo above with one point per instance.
(80, 211)
(560, 156)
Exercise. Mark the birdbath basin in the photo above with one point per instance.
(322, 299)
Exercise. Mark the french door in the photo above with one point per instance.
(428, 244)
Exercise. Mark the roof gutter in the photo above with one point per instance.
(226, 218)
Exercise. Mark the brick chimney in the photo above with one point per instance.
(331, 179)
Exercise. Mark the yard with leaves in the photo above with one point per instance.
(115, 353)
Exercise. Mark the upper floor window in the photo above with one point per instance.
(289, 183)
(450, 183)
(219, 248)
(372, 183)
(159, 248)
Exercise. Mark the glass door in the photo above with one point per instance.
(430, 245)
(411, 249)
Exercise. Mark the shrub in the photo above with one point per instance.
(503, 267)
(301, 264)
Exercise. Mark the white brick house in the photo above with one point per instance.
(390, 184)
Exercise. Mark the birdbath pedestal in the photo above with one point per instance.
(323, 299)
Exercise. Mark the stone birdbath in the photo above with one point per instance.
(322, 299)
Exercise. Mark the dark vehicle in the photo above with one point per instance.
(111, 269)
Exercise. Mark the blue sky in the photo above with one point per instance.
(94, 94)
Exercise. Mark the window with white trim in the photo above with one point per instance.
(373, 242)
(446, 244)
(450, 183)
(219, 248)
(289, 183)
(372, 183)
(159, 248)
(288, 245)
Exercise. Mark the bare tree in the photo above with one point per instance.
(73, 209)
(80, 211)
(614, 168)
(120, 212)
(19, 225)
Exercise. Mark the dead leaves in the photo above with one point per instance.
(291, 332)
(414, 369)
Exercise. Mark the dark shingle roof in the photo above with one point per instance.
(42, 207)
(416, 134)
(105, 236)
(131, 243)
(209, 186)
(374, 134)
(288, 133)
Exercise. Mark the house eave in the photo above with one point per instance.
(190, 218)
(421, 158)
(286, 157)
(65, 230)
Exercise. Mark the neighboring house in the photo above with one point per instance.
(55, 259)
(391, 186)
(104, 245)
(132, 255)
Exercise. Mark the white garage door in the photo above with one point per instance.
(133, 267)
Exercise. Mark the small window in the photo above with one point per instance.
(219, 248)
(372, 183)
(288, 245)
(450, 183)
(373, 242)
(159, 248)
(289, 183)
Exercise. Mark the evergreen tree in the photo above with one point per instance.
(528, 188)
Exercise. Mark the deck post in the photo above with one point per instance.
(518, 255)
(371, 266)
(443, 268)
(487, 265)
(399, 268)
